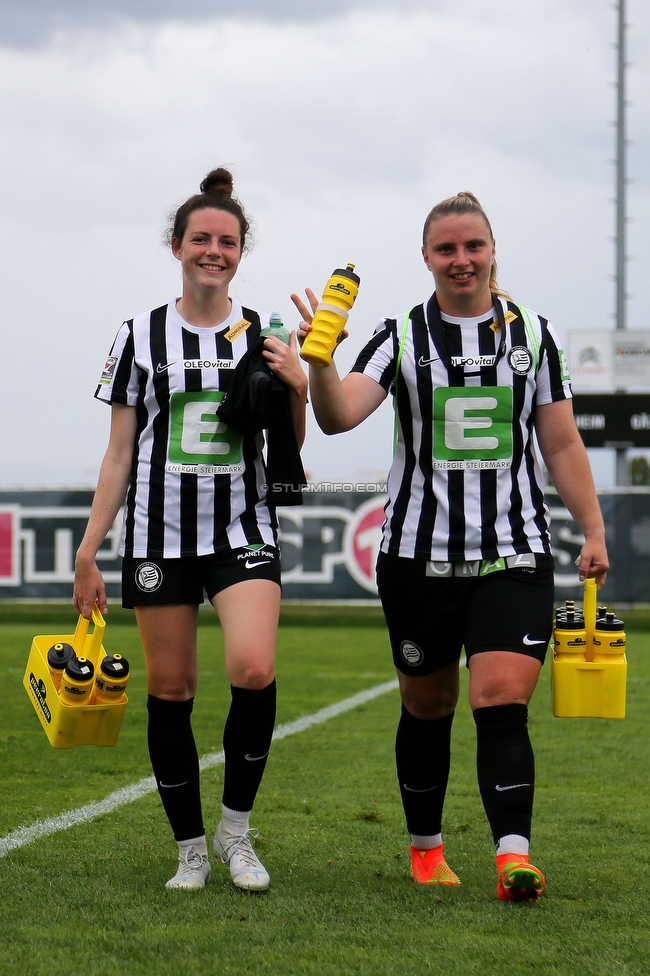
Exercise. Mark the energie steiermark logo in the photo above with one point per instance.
(472, 427)
(198, 438)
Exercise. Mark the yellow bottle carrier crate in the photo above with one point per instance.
(68, 725)
(589, 663)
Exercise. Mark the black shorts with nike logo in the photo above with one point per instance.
(432, 612)
(158, 582)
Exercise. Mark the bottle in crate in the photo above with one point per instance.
(609, 653)
(57, 657)
(77, 681)
(589, 664)
(569, 635)
(111, 679)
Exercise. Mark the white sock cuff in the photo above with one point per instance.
(198, 842)
(426, 842)
(235, 816)
(513, 844)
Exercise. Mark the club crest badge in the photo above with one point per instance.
(520, 360)
(148, 577)
(411, 653)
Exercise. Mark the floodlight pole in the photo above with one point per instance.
(622, 468)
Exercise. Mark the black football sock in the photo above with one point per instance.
(506, 768)
(175, 764)
(246, 743)
(422, 752)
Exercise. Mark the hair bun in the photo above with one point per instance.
(216, 191)
(218, 183)
(469, 196)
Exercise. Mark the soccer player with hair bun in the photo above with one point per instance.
(481, 395)
(196, 518)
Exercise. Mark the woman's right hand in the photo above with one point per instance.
(89, 588)
(308, 316)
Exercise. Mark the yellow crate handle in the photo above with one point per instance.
(82, 629)
(589, 612)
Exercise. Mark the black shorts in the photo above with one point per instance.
(156, 582)
(431, 618)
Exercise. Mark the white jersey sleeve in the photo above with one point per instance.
(120, 379)
(378, 358)
(553, 381)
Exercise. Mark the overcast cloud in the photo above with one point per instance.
(341, 132)
(28, 24)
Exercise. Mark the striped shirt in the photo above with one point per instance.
(466, 480)
(196, 485)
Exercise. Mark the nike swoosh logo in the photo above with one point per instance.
(172, 786)
(260, 562)
(163, 367)
(255, 758)
(425, 362)
(502, 789)
(528, 642)
(411, 790)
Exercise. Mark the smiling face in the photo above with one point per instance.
(459, 252)
(210, 250)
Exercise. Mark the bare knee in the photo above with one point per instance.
(501, 678)
(431, 697)
(252, 676)
(429, 710)
(172, 690)
(489, 697)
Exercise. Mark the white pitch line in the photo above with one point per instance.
(41, 828)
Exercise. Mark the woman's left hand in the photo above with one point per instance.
(284, 362)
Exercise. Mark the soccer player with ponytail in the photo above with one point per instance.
(481, 395)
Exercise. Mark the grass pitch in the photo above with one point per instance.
(91, 899)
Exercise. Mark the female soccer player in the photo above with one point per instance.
(465, 559)
(195, 518)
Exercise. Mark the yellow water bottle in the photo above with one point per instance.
(57, 657)
(609, 654)
(331, 317)
(569, 655)
(77, 681)
(569, 635)
(111, 679)
(609, 636)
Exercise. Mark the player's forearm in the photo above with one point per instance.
(571, 475)
(329, 400)
(298, 400)
(109, 497)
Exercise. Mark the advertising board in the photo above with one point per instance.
(329, 545)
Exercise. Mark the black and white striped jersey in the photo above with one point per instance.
(195, 485)
(466, 481)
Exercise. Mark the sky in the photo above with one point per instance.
(342, 129)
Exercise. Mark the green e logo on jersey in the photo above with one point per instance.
(564, 367)
(472, 427)
(197, 435)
